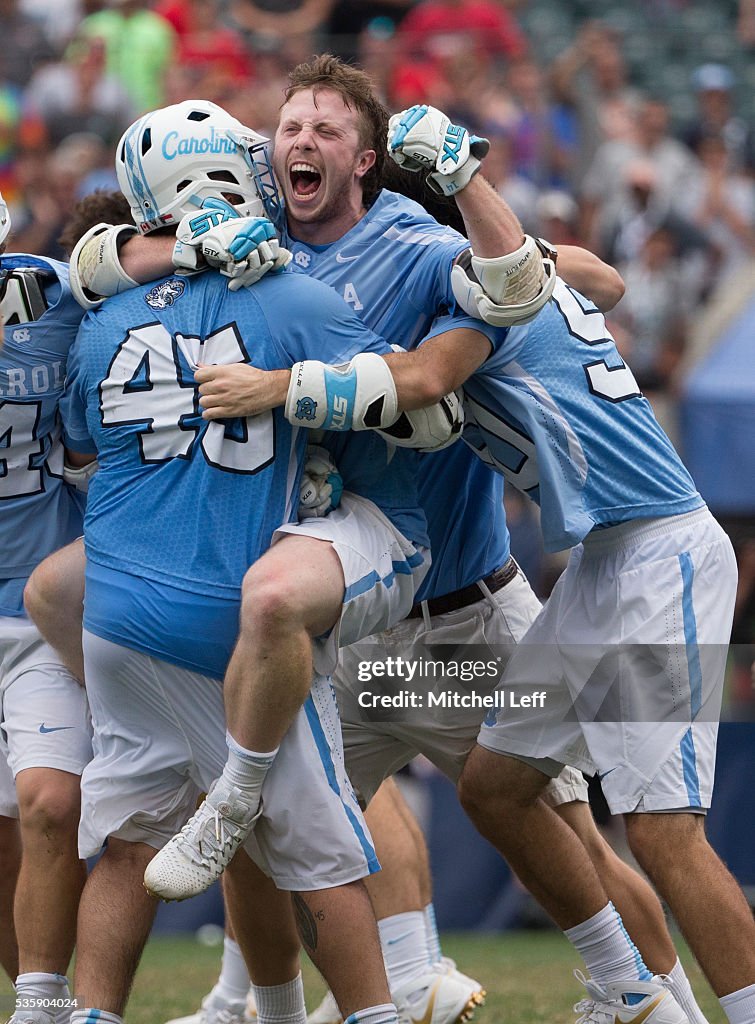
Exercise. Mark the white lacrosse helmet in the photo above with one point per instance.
(171, 160)
(4, 220)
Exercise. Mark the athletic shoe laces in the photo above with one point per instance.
(207, 838)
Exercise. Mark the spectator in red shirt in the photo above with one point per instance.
(204, 43)
(488, 27)
(436, 34)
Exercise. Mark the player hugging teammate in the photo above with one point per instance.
(163, 382)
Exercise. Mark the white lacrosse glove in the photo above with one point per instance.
(321, 484)
(241, 248)
(423, 138)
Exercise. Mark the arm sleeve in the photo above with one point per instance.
(73, 405)
(427, 284)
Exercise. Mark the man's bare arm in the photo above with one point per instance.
(239, 389)
(146, 259)
(587, 272)
(437, 367)
(492, 226)
(421, 377)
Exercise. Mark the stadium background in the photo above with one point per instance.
(625, 126)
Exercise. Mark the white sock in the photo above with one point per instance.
(246, 769)
(281, 1004)
(677, 982)
(607, 950)
(232, 987)
(41, 985)
(431, 932)
(44, 987)
(739, 1006)
(403, 939)
(91, 1015)
(383, 1014)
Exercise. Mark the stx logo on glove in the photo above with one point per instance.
(453, 142)
(208, 219)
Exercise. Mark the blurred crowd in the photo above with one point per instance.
(627, 126)
(580, 148)
(583, 148)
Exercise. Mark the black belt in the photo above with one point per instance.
(467, 595)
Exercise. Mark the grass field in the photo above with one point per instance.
(528, 976)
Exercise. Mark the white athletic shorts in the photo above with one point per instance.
(159, 743)
(376, 745)
(382, 570)
(630, 653)
(44, 717)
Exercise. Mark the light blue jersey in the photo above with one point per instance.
(394, 269)
(557, 411)
(181, 507)
(38, 512)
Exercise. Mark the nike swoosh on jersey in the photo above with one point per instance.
(345, 259)
(54, 728)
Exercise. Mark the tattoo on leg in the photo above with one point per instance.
(305, 922)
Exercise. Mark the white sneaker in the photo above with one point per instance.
(438, 997)
(327, 1012)
(607, 1004)
(195, 858)
(221, 1013)
(449, 965)
(32, 1017)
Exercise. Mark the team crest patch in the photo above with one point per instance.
(305, 408)
(22, 334)
(165, 294)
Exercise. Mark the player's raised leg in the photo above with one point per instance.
(271, 669)
(268, 679)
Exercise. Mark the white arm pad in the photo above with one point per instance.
(79, 476)
(95, 270)
(358, 395)
(505, 290)
(429, 429)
